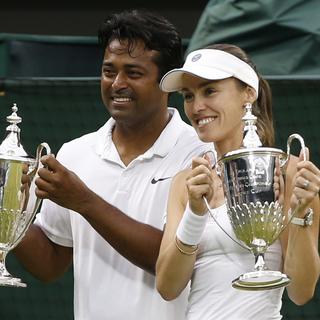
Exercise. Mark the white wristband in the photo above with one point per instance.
(191, 227)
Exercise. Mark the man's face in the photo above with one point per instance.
(129, 83)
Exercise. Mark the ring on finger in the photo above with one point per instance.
(306, 184)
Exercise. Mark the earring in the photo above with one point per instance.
(248, 106)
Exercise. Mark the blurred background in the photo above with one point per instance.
(50, 66)
(72, 17)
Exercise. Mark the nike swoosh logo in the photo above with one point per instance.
(153, 181)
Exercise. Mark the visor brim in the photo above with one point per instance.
(172, 80)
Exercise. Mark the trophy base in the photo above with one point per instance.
(261, 280)
(11, 282)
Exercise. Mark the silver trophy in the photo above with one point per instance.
(18, 203)
(254, 186)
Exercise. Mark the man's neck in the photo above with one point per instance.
(132, 142)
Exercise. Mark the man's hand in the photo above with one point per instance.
(62, 186)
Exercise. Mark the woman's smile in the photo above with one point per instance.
(202, 122)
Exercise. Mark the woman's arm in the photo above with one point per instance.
(176, 259)
(173, 268)
(301, 257)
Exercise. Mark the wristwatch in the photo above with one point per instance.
(304, 222)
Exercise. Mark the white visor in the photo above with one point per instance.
(210, 64)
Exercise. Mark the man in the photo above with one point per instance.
(106, 214)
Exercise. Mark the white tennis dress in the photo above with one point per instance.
(219, 261)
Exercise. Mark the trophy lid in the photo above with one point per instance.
(251, 138)
(11, 147)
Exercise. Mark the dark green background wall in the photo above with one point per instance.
(82, 18)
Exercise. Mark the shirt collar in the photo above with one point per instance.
(105, 148)
(169, 136)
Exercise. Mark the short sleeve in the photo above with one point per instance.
(54, 220)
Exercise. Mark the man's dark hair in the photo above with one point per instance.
(155, 31)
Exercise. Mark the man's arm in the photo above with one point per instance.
(41, 257)
(136, 241)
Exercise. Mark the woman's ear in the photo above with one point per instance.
(251, 95)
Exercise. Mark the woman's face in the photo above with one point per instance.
(215, 108)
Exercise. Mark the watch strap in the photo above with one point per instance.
(307, 220)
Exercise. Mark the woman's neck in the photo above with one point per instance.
(226, 146)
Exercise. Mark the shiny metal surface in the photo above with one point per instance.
(14, 201)
(254, 186)
(254, 196)
(18, 203)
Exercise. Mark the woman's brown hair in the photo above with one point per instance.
(262, 108)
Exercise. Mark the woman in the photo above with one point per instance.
(216, 84)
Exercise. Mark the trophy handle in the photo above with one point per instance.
(304, 154)
(284, 160)
(220, 226)
(219, 171)
(32, 171)
(40, 148)
(293, 212)
(303, 146)
(35, 164)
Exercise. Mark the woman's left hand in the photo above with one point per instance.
(306, 183)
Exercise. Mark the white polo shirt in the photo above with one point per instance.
(107, 286)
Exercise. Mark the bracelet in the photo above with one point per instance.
(195, 248)
(191, 227)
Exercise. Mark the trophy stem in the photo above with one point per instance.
(3, 271)
(259, 262)
(6, 279)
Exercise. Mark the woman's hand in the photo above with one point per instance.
(200, 184)
(301, 247)
(306, 183)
